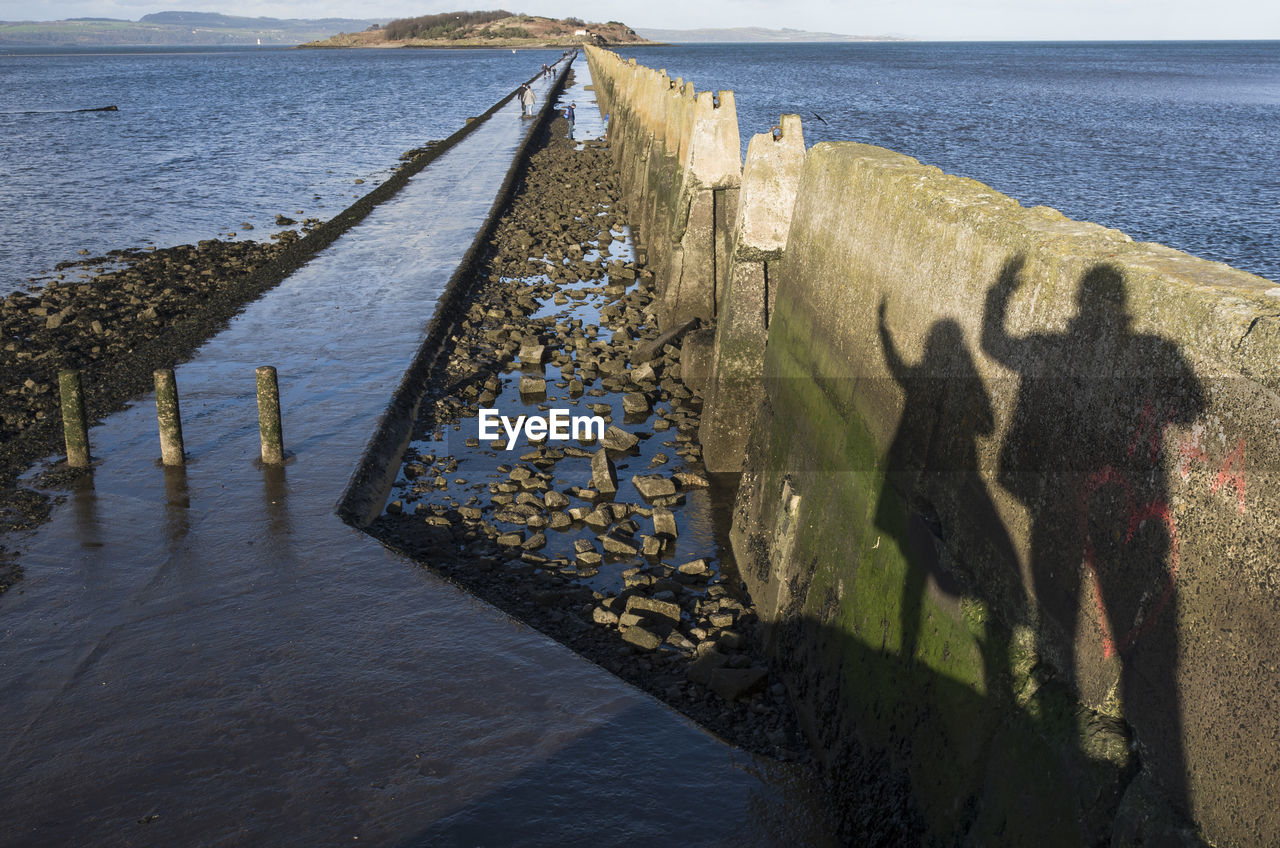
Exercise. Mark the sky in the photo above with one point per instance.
(933, 20)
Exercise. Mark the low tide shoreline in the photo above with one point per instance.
(606, 545)
(148, 309)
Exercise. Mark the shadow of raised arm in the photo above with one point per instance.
(996, 343)
(899, 370)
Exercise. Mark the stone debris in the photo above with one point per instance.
(604, 476)
(699, 671)
(578, 537)
(617, 545)
(640, 637)
(511, 540)
(635, 403)
(695, 568)
(533, 386)
(96, 314)
(652, 487)
(664, 524)
(651, 607)
(689, 480)
(620, 441)
(734, 683)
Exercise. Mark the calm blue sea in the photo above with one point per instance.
(208, 139)
(1170, 142)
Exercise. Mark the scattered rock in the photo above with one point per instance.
(619, 546)
(651, 607)
(513, 539)
(645, 619)
(734, 683)
(689, 480)
(664, 523)
(643, 374)
(651, 487)
(696, 567)
(619, 440)
(699, 671)
(642, 638)
(604, 476)
(635, 403)
(646, 351)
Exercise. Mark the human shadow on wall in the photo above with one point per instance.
(931, 471)
(1085, 454)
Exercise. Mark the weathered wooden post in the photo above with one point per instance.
(269, 416)
(75, 428)
(169, 417)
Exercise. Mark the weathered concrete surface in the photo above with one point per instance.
(1012, 500)
(703, 211)
(679, 157)
(696, 354)
(769, 182)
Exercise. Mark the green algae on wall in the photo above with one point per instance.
(844, 580)
(958, 583)
(1011, 501)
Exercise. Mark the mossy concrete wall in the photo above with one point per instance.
(1011, 510)
(759, 236)
(1010, 498)
(679, 158)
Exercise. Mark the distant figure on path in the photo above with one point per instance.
(568, 116)
(526, 101)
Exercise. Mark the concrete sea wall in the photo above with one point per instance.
(1010, 490)
(679, 157)
(1013, 487)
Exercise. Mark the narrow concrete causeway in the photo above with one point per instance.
(213, 657)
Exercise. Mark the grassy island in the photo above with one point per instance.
(496, 28)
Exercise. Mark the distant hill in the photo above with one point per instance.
(175, 29)
(496, 28)
(744, 35)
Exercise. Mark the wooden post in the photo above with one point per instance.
(75, 428)
(169, 417)
(269, 416)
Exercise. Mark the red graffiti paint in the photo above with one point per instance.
(1190, 450)
(1150, 432)
(1137, 515)
(1232, 471)
(1154, 434)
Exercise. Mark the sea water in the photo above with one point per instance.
(1169, 142)
(205, 139)
(1174, 142)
